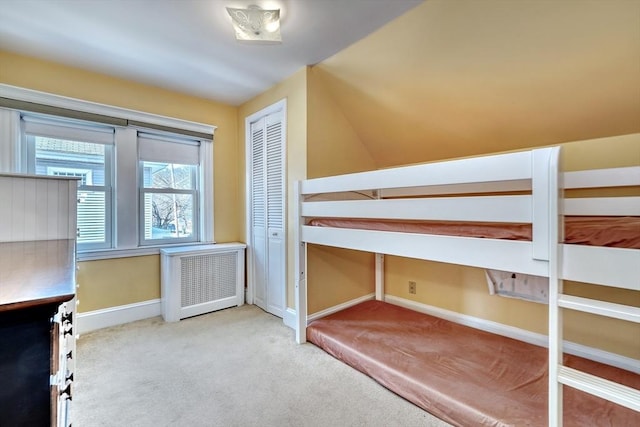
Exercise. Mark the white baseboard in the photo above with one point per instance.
(289, 318)
(335, 308)
(112, 316)
(290, 314)
(580, 350)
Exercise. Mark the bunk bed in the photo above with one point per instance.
(523, 190)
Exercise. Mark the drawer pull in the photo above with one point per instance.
(67, 332)
(67, 317)
(67, 391)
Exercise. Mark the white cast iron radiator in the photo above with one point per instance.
(201, 278)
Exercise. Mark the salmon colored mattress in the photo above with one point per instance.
(620, 232)
(463, 376)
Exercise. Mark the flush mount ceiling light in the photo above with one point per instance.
(256, 24)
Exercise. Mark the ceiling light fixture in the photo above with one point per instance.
(256, 24)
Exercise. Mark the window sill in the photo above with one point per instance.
(94, 255)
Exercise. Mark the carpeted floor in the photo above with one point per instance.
(235, 367)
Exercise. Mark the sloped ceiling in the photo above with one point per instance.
(458, 78)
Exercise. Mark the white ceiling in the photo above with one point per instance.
(188, 45)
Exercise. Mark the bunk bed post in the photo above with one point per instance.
(552, 186)
(379, 264)
(300, 267)
(379, 277)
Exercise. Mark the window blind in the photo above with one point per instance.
(67, 130)
(153, 148)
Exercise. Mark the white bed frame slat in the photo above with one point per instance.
(601, 308)
(599, 178)
(501, 167)
(469, 188)
(613, 206)
(515, 209)
(510, 255)
(614, 267)
(617, 393)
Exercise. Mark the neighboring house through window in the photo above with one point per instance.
(71, 148)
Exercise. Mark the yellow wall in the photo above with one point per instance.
(612, 152)
(294, 91)
(459, 78)
(121, 281)
(333, 147)
(115, 282)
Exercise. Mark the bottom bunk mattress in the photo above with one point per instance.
(462, 375)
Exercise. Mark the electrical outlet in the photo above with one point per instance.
(412, 287)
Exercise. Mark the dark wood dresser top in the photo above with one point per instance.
(36, 273)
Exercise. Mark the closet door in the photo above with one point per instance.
(275, 214)
(258, 213)
(267, 213)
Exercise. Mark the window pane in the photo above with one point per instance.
(91, 217)
(87, 161)
(168, 175)
(60, 157)
(168, 216)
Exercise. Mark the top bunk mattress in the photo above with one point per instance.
(462, 375)
(619, 232)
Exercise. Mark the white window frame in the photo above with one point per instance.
(125, 231)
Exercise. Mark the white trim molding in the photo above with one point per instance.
(37, 97)
(290, 313)
(113, 316)
(336, 308)
(10, 151)
(289, 318)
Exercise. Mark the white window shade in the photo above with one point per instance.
(157, 149)
(44, 127)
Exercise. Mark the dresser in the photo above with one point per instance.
(37, 300)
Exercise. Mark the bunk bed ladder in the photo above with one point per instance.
(592, 265)
(614, 392)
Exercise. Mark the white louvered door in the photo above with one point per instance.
(267, 213)
(275, 215)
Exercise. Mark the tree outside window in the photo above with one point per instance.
(169, 200)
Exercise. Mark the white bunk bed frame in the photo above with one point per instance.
(535, 172)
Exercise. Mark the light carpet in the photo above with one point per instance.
(235, 367)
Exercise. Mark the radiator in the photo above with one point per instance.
(200, 279)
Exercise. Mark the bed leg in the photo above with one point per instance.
(379, 277)
(301, 295)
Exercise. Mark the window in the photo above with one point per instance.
(168, 201)
(168, 173)
(71, 148)
(139, 187)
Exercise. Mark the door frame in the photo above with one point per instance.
(273, 108)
